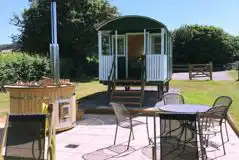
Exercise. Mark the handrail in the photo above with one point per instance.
(143, 68)
(112, 71)
(143, 78)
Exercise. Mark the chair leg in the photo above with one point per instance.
(133, 132)
(203, 149)
(129, 138)
(185, 137)
(226, 130)
(222, 141)
(116, 134)
(147, 128)
(207, 139)
(169, 127)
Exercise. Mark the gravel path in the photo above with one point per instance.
(216, 76)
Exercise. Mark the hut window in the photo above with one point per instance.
(120, 45)
(156, 44)
(106, 45)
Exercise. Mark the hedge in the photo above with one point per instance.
(22, 66)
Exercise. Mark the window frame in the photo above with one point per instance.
(113, 44)
(151, 43)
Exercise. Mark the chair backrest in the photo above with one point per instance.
(121, 111)
(222, 101)
(175, 130)
(173, 98)
(25, 137)
(218, 112)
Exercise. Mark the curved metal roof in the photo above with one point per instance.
(131, 23)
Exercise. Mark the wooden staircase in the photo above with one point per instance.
(122, 92)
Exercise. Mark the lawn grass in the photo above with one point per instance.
(233, 74)
(4, 103)
(87, 88)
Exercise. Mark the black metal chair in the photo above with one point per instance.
(222, 101)
(173, 98)
(125, 120)
(25, 137)
(207, 123)
(179, 141)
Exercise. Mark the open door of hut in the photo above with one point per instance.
(120, 56)
(135, 49)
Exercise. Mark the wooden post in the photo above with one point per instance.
(237, 62)
(167, 86)
(190, 71)
(162, 41)
(51, 134)
(4, 134)
(116, 55)
(210, 69)
(154, 153)
(145, 42)
(160, 91)
(100, 53)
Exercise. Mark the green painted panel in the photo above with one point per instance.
(121, 68)
(132, 24)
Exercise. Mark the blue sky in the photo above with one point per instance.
(173, 13)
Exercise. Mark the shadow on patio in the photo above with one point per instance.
(97, 120)
(120, 151)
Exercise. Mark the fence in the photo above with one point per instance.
(200, 70)
(195, 70)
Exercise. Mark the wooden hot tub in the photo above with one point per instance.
(28, 99)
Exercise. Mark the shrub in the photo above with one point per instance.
(201, 44)
(22, 66)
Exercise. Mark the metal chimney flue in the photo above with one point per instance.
(54, 47)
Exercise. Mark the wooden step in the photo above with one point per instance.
(129, 91)
(130, 103)
(128, 97)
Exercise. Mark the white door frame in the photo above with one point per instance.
(126, 50)
(115, 44)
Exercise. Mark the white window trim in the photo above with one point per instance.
(113, 42)
(150, 42)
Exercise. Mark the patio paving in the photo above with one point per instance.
(93, 139)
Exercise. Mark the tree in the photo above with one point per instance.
(76, 20)
(236, 48)
(201, 44)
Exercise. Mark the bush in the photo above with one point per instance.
(201, 44)
(22, 66)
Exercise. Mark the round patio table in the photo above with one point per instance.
(185, 108)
